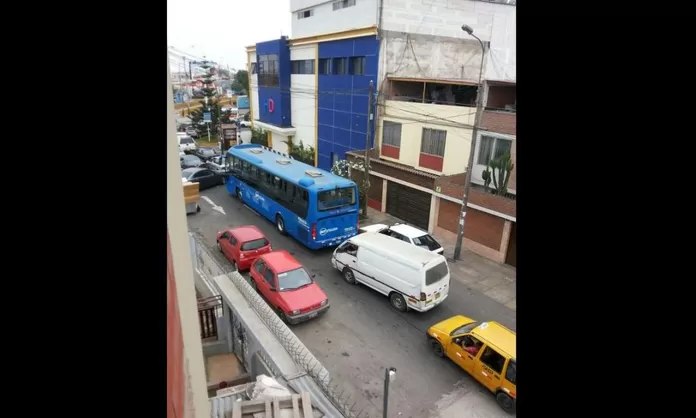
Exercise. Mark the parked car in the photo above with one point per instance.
(205, 153)
(192, 132)
(190, 161)
(204, 177)
(287, 287)
(245, 124)
(407, 233)
(186, 143)
(485, 350)
(243, 245)
(412, 277)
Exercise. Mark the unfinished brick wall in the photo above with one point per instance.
(498, 121)
(484, 228)
(454, 186)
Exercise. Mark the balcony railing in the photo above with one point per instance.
(208, 311)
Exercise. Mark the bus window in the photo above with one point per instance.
(236, 163)
(336, 198)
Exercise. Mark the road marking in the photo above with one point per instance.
(215, 207)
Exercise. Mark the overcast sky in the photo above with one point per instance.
(220, 29)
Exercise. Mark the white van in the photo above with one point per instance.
(412, 277)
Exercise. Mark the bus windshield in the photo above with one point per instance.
(336, 198)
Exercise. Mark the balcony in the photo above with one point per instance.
(501, 106)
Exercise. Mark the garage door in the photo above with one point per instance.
(411, 205)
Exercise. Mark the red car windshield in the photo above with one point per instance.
(293, 279)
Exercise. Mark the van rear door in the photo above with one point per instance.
(436, 285)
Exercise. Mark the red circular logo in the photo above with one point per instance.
(271, 105)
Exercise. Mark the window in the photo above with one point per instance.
(268, 70)
(233, 240)
(492, 148)
(391, 134)
(268, 275)
(253, 68)
(437, 273)
(254, 244)
(293, 279)
(340, 66)
(352, 249)
(433, 142)
(511, 372)
(465, 328)
(427, 242)
(357, 65)
(493, 360)
(325, 66)
(259, 266)
(343, 4)
(225, 235)
(302, 67)
(335, 199)
(305, 14)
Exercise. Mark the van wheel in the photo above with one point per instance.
(398, 302)
(280, 225)
(348, 276)
(437, 347)
(505, 402)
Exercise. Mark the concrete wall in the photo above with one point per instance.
(435, 57)
(412, 124)
(254, 87)
(303, 97)
(495, 23)
(327, 20)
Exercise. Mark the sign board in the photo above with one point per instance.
(229, 135)
(206, 117)
(243, 102)
(438, 189)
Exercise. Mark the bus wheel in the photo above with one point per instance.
(280, 224)
(397, 301)
(239, 194)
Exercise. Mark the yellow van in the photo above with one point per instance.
(486, 350)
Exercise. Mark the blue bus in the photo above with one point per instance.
(317, 208)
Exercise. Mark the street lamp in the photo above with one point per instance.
(474, 134)
(388, 376)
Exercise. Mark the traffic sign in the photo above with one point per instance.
(206, 117)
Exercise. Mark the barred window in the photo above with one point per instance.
(391, 134)
(433, 142)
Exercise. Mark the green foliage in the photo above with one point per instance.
(258, 136)
(240, 81)
(300, 152)
(498, 171)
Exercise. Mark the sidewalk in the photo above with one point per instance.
(497, 281)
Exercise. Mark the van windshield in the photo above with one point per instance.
(437, 273)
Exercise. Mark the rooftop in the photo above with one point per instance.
(289, 169)
(281, 261)
(499, 336)
(247, 233)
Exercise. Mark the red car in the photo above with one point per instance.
(243, 245)
(287, 287)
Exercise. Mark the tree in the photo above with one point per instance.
(357, 174)
(240, 81)
(259, 136)
(213, 106)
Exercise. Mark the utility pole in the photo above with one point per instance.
(366, 178)
(474, 134)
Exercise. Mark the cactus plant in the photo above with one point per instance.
(499, 171)
(486, 175)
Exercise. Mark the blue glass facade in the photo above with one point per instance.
(343, 96)
(345, 68)
(273, 70)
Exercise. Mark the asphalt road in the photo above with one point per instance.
(361, 334)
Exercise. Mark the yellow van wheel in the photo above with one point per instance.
(505, 402)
